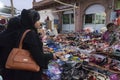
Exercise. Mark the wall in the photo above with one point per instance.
(83, 5)
(52, 16)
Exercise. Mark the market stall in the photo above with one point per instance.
(83, 59)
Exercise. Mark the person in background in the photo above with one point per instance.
(117, 32)
(29, 19)
(109, 36)
(41, 31)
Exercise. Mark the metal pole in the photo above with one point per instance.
(63, 10)
(74, 14)
(113, 4)
(12, 8)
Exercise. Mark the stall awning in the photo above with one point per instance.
(42, 4)
(45, 4)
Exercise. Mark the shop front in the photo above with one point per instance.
(93, 13)
(95, 17)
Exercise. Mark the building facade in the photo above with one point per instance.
(75, 15)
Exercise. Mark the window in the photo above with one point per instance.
(89, 18)
(66, 19)
(118, 4)
(100, 18)
(96, 18)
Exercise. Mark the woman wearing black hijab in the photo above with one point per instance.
(29, 19)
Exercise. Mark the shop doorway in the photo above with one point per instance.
(68, 21)
(95, 17)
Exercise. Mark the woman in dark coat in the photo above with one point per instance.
(29, 19)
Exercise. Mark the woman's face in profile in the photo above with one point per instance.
(111, 28)
(37, 24)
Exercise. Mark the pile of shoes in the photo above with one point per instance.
(73, 72)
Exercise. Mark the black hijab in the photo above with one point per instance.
(11, 33)
(28, 19)
(17, 25)
(14, 24)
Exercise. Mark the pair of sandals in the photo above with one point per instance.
(98, 61)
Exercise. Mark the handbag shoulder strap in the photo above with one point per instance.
(23, 36)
